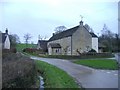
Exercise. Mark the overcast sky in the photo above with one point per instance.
(42, 16)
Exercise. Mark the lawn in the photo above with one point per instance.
(55, 77)
(99, 63)
(21, 46)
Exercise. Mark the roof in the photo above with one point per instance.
(93, 35)
(67, 33)
(42, 40)
(55, 45)
(63, 34)
(43, 44)
(3, 37)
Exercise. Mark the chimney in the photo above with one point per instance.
(6, 31)
(81, 23)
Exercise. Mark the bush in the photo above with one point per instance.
(82, 56)
(18, 71)
(29, 50)
(13, 50)
(92, 50)
(34, 51)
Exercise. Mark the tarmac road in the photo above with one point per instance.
(85, 76)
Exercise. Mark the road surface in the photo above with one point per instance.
(85, 76)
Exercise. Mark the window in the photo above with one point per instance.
(57, 50)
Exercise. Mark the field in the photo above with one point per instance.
(99, 63)
(20, 47)
(55, 77)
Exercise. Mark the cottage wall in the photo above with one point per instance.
(56, 51)
(81, 41)
(7, 43)
(50, 51)
(38, 46)
(65, 44)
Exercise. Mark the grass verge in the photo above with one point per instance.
(55, 77)
(21, 46)
(100, 64)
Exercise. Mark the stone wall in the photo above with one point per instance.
(81, 41)
(65, 44)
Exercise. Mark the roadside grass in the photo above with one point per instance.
(21, 46)
(100, 63)
(55, 77)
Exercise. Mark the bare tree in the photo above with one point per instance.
(14, 39)
(60, 29)
(40, 37)
(107, 38)
(27, 37)
(88, 28)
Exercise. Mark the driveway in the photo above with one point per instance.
(87, 77)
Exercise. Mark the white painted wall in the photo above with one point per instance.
(95, 43)
(49, 50)
(7, 43)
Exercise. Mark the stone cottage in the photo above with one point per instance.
(73, 41)
(5, 44)
(42, 45)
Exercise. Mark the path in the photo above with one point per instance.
(87, 77)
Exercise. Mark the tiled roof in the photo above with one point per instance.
(67, 33)
(93, 35)
(63, 34)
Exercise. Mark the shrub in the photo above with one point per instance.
(92, 50)
(82, 56)
(33, 50)
(14, 50)
(5, 50)
(29, 50)
(18, 71)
